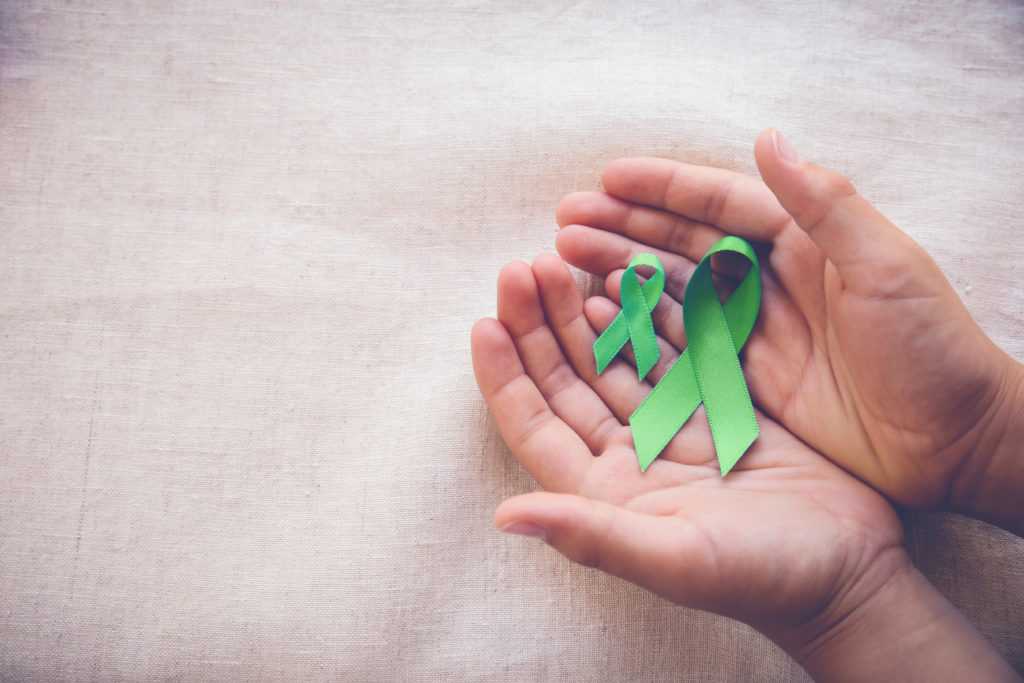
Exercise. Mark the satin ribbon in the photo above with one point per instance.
(633, 323)
(708, 371)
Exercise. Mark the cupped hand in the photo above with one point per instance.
(786, 542)
(863, 349)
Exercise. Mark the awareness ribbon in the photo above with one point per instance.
(633, 322)
(708, 371)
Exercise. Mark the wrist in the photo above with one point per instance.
(891, 624)
(990, 483)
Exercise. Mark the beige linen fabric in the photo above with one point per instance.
(241, 248)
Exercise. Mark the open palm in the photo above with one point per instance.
(772, 544)
(862, 348)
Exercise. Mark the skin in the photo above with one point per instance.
(863, 349)
(679, 529)
(789, 542)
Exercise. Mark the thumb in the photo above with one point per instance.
(654, 552)
(868, 251)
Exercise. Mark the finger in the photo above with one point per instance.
(547, 447)
(600, 252)
(521, 311)
(665, 554)
(725, 285)
(732, 202)
(617, 386)
(792, 269)
(871, 255)
(660, 229)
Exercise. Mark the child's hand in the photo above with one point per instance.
(862, 348)
(788, 542)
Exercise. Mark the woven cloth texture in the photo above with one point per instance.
(242, 245)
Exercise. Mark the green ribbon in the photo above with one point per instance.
(633, 323)
(708, 371)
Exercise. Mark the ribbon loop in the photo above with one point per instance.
(633, 323)
(708, 371)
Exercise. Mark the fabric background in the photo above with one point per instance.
(241, 248)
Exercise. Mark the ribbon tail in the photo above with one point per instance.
(665, 410)
(730, 449)
(607, 346)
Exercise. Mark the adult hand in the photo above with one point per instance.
(862, 349)
(787, 542)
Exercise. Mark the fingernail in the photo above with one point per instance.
(784, 149)
(525, 529)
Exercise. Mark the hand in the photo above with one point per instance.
(772, 544)
(787, 542)
(862, 349)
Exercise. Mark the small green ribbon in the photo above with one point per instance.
(708, 371)
(633, 323)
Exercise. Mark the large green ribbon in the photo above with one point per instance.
(708, 371)
(633, 323)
